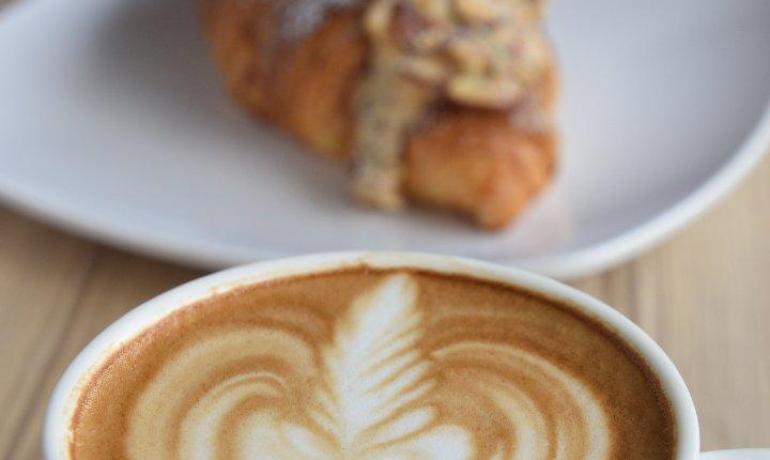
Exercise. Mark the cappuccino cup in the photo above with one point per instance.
(374, 356)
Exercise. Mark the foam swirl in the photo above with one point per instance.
(382, 380)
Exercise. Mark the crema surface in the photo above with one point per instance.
(368, 364)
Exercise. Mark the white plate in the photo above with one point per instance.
(112, 123)
(740, 454)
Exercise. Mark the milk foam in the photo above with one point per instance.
(373, 395)
(387, 375)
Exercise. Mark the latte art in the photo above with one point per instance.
(394, 367)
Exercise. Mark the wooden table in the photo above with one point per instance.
(704, 296)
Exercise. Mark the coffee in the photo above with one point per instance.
(374, 364)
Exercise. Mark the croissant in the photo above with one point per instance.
(444, 102)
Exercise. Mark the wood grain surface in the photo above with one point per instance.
(704, 296)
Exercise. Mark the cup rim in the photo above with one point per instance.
(56, 430)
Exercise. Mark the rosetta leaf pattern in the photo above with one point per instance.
(371, 365)
(369, 403)
(391, 380)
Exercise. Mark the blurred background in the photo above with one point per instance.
(703, 295)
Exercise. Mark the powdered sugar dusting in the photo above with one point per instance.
(302, 17)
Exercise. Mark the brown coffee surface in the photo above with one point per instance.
(371, 364)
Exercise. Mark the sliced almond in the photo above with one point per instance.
(378, 18)
(428, 70)
(483, 11)
(481, 92)
(469, 55)
(437, 11)
(431, 39)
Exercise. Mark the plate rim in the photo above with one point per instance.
(736, 454)
(654, 231)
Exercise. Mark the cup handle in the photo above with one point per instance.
(739, 454)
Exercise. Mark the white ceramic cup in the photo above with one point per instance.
(56, 435)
